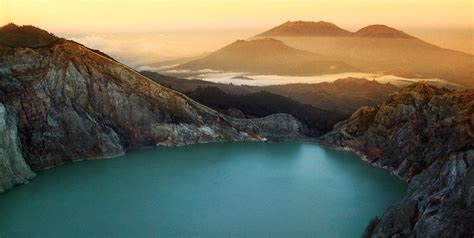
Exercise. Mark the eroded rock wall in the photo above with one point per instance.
(74, 104)
(13, 168)
(424, 135)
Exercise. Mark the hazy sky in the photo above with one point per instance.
(167, 29)
(150, 15)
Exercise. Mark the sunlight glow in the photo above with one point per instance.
(150, 15)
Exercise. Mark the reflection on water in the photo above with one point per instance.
(209, 190)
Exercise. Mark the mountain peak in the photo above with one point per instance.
(256, 45)
(306, 28)
(25, 36)
(9, 26)
(425, 87)
(381, 31)
(267, 56)
(266, 40)
(307, 23)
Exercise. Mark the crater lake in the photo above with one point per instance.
(245, 189)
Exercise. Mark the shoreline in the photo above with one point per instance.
(308, 140)
(363, 157)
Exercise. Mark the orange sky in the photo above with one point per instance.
(153, 15)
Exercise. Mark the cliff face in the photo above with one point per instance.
(76, 104)
(425, 135)
(13, 168)
(275, 127)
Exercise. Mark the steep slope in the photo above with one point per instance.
(267, 56)
(381, 49)
(305, 28)
(425, 135)
(13, 168)
(76, 104)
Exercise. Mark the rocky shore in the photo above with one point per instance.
(424, 135)
(13, 168)
(76, 104)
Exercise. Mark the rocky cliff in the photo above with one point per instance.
(425, 135)
(13, 168)
(74, 103)
(275, 127)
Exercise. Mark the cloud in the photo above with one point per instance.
(135, 50)
(141, 49)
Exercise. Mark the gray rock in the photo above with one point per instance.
(276, 127)
(13, 168)
(74, 104)
(424, 135)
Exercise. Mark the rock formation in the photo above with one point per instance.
(425, 135)
(276, 127)
(13, 168)
(74, 104)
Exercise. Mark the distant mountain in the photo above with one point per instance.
(305, 28)
(381, 31)
(25, 36)
(322, 28)
(343, 95)
(267, 56)
(385, 50)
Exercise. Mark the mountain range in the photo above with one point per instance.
(322, 28)
(373, 49)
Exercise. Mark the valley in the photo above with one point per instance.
(399, 105)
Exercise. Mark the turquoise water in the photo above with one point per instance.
(211, 190)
